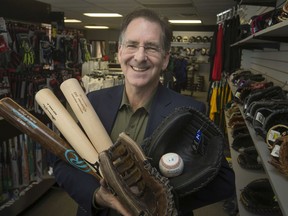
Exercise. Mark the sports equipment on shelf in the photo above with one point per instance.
(279, 154)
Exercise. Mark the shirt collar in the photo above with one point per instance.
(125, 102)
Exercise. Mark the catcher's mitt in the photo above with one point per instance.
(130, 176)
(194, 137)
(258, 197)
(249, 159)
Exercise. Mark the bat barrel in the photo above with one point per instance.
(86, 114)
(39, 132)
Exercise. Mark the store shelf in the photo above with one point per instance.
(252, 42)
(278, 181)
(268, 3)
(266, 38)
(32, 193)
(191, 45)
(277, 32)
(242, 176)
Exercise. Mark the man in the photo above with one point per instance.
(137, 108)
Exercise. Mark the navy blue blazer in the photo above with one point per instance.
(81, 186)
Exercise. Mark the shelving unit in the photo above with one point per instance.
(270, 37)
(188, 44)
(266, 38)
(278, 181)
(242, 176)
(32, 193)
(192, 52)
(270, 3)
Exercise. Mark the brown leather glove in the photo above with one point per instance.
(138, 185)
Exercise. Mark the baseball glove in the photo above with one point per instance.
(138, 185)
(196, 139)
(258, 197)
(274, 133)
(279, 154)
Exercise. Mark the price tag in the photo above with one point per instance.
(275, 151)
(260, 118)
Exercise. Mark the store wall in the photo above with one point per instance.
(272, 63)
(204, 66)
(106, 35)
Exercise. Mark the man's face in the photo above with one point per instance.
(141, 55)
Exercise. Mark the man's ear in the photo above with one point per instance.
(166, 61)
(119, 54)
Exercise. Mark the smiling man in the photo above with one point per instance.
(137, 108)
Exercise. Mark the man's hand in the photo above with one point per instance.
(106, 199)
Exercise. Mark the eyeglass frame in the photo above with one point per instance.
(154, 49)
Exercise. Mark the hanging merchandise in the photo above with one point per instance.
(231, 55)
(4, 52)
(68, 47)
(3, 45)
(180, 72)
(219, 94)
(217, 67)
(213, 101)
(26, 49)
(46, 49)
(59, 52)
(85, 55)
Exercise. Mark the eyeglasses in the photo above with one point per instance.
(150, 49)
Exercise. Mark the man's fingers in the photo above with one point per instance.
(111, 200)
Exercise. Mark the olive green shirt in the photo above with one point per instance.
(132, 123)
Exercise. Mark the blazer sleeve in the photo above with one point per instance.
(78, 184)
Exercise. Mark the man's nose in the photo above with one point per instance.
(140, 54)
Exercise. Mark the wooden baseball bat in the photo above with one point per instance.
(39, 132)
(64, 122)
(86, 115)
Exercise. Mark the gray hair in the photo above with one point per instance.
(153, 17)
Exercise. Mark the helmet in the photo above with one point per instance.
(179, 38)
(199, 39)
(205, 39)
(192, 39)
(185, 39)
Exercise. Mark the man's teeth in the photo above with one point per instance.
(139, 69)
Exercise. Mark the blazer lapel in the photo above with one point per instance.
(160, 109)
(109, 109)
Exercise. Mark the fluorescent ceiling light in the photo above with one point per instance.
(72, 21)
(97, 27)
(185, 21)
(103, 14)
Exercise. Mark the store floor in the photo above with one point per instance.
(56, 202)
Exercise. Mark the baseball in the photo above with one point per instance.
(171, 165)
